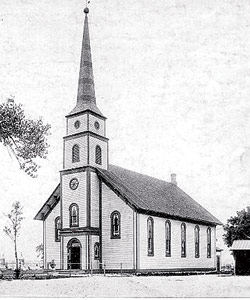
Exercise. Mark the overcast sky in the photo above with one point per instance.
(172, 77)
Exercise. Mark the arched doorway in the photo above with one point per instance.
(74, 254)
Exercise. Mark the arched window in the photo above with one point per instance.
(75, 153)
(57, 228)
(97, 251)
(209, 242)
(150, 236)
(197, 240)
(168, 238)
(98, 155)
(73, 215)
(115, 225)
(183, 240)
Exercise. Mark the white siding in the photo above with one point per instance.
(83, 119)
(93, 142)
(116, 251)
(95, 263)
(82, 143)
(83, 124)
(52, 248)
(159, 260)
(77, 196)
(92, 120)
(94, 200)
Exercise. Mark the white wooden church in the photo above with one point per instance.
(101, 214)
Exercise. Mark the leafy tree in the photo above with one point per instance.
(237, 227)
(12, 229)
(40, 251)
(26, 138)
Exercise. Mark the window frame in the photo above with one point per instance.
(57, 228)
(98, 155)
(197, 241)
(209, 242)
(150, 248)
(75, 153)
(183, 240)
(168, 238)
(96, 246)
(70, 215)
(113, 234)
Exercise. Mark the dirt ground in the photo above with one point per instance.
(131, 286)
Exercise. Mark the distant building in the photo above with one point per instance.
(101, 215)
(241, 254)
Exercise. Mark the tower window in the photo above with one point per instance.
(209, 242)
(77, 124)
(97, 125)
(73, 215)
(183, 240)
(98, 155)
(115, 225)
(57, 228)
(168, 238)
(197, 241)
(75, 153)
(150, 236)
(97, 251)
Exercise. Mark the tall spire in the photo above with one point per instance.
(86, 89)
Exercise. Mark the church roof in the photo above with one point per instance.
(147, 195)
(47, 207)
(86, 99)
(157, 197)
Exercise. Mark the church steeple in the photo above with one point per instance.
(86, 99)
(85, 143)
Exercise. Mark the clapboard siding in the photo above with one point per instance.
(77, 196)
(94, 200)
(116, 251)
(94, 263)
(82, 143)
(83, 240)
(93, 142)
(52, 248)
(159, 260)
(92, 120)
(83, 124)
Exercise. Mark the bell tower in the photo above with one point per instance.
(85, 143)
(85, 148)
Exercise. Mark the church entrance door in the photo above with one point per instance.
(74, 254)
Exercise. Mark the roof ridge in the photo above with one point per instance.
(170, 195)
(152, 177)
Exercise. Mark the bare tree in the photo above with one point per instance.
(12, 229)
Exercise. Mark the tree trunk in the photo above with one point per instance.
(16, 254)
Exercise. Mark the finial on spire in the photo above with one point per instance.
(86, 9)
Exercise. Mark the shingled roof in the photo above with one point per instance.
(147, 195)
(157, 197)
